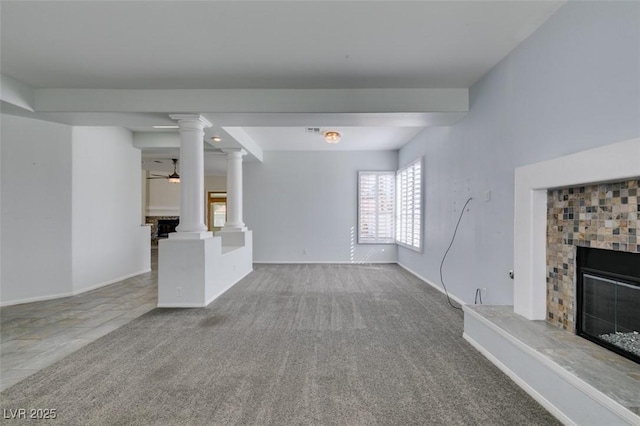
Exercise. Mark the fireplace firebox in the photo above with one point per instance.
(167, 226)
(608, 299)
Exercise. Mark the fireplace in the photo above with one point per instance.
(608, 299)
(599, 216)
(167, 226)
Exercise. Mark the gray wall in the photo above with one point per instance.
(573, 85)
(296, 201)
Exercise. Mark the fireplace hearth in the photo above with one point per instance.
(608, 299)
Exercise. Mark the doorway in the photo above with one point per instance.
(217, 208)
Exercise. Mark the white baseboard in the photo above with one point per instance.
(524, 385)
(113, 281)
(71, 293)
(36, 299)
(432, 284)
(313, 262)
(180, 305)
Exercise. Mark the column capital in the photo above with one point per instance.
(196, 120)
(237, 151)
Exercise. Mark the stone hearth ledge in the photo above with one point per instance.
(577, 381)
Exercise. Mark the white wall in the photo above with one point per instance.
(70, 209)
(215, 184)
(163, 197)
(109, 243)
(573, 85)
(36, 209)
(296, 201)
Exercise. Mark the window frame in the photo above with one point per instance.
(392, 238)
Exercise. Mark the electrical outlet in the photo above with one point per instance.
(304, 251)
(487, 196)
(179, 291)
(483, 290)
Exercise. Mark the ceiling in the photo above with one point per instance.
(359, 138)
(178, 45)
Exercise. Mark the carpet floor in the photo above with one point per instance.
(288, 345)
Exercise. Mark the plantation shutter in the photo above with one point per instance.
(376, 198)
(409, 206)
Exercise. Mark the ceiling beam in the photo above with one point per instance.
(254, 100)
(16, 93)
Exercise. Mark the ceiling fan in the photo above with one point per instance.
(173, 177)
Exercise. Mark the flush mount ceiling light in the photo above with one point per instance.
(216, 138)
(167, 127)
(332, 136)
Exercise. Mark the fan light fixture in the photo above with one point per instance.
(174, 177)
(332, 136)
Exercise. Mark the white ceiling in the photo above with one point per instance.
(262, 45)
(353, 138)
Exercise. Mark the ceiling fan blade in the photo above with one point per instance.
(158, 177)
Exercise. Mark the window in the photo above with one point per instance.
(217, 210)
(409, 206)
(376, 198)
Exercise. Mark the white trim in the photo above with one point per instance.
(437, 287)
(617, 161)
(36, 299)
(570, 378)
(408, 247)
(71, 293)
(162, 211)
(312, 262)
(105, 283)
(180, 305)
(518, 381)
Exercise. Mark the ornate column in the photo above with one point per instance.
(234, 221)
(191, 176)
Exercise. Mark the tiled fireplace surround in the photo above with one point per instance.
(602, 172)
(600, 216)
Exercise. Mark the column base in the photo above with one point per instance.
(196, 235)
(235, 238)
(234, 229)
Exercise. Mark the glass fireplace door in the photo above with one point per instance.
(610, 313)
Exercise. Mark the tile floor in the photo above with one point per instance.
(35, 335)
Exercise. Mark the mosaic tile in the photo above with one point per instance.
(601, 216)
(153, 221)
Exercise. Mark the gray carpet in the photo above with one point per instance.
(289, 344)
